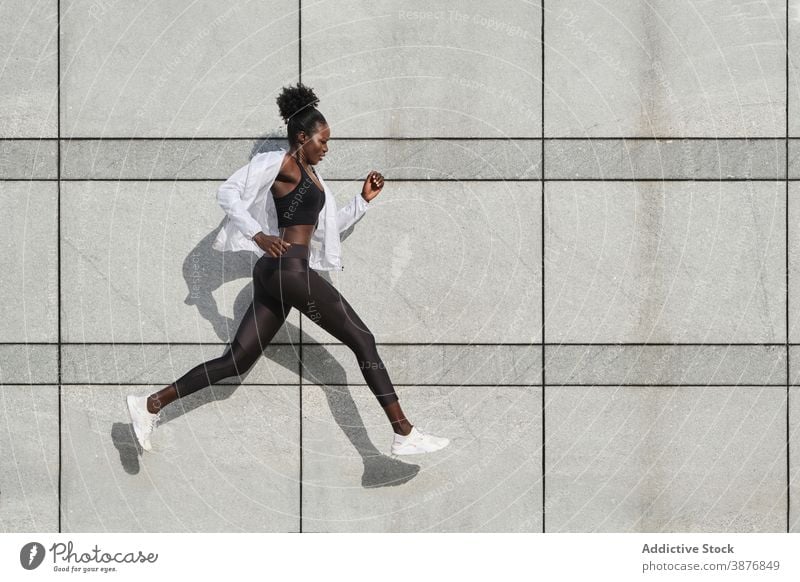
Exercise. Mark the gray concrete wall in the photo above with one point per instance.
(582, 269)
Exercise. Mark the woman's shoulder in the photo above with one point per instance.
(263, 161)
(288, 168)
(273, 156)
(288, 173)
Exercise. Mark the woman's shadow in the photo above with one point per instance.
(216, 269)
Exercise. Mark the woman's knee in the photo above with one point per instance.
(363, 343)
(237, 361)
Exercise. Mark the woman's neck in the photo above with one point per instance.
(294, 152)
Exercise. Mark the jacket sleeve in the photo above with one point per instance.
(229, 197)
(350, 214)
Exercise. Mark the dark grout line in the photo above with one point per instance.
(622, 385)
(422, 344)
(781, 385)
(58, 243)
(412, 138)
(455, 180)
(543, 250)
(786, 198)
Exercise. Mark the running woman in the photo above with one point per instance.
(282, 279)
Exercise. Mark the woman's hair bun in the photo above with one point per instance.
(292, 100)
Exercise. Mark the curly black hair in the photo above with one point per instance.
(297, 106)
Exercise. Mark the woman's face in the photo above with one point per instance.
(316, 146)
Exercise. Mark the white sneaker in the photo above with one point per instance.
(417, 442)
(144, 421)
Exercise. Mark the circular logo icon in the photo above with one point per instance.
(31, 555)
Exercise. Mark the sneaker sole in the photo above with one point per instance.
(417, 452)
(130, 400)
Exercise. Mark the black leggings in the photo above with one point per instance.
(280, 283)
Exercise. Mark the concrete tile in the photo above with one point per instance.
(659, 364)
(686, 459)
(230, 465)
(163, 159)
(434, 159)
(29, 286)
(28, 159)
(665, 159)
(453, 365)
(175, 69)
(794, 368)
(348, 159)
(793, 240)
(376, 70)
(29, 445)
(794, 158)
(492, 365)
(487, 480)
(665, 68)
(159, 364)
(673, 263)
(136, 269)
(29, 76)
(28, 364)
(446, 262)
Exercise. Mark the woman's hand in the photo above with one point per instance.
(372, 186)
(274, 246)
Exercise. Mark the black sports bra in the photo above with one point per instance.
(302, 205)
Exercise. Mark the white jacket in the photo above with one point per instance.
(250, 208)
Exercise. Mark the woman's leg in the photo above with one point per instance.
(259, 325)
(322, 303)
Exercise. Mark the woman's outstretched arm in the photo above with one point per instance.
(350, 214)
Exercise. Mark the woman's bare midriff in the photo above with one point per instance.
(299, 234)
